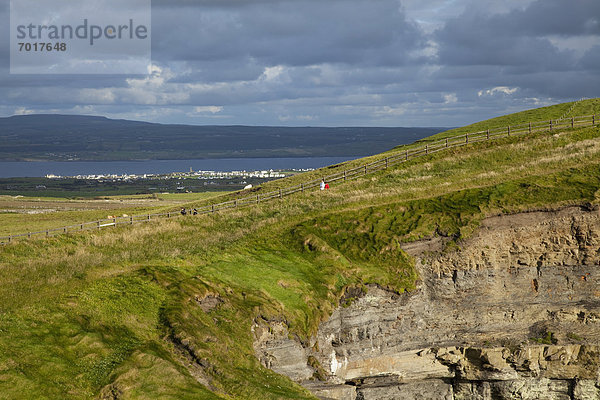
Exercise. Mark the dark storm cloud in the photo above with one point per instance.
(501, 40)
(4, 34)
(532, 51)
(337, 62)
(362, 32)
(591, 59)
(553, 17)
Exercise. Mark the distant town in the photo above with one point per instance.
(208, 175)
(110, 184)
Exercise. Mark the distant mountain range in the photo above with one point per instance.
(73, 137)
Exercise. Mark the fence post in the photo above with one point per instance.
(9, 238)
(169, 215)
(530, 127)
(29, 235)
(426, 149)
(280, 196)
(302, 187)
(131, 220)
(550, 125)
(466, 138)
(344, 174)
(235, 203)
(257, 198)
(47, 233)
(212, 207)
(148, 217)
(593, 119)
(386, 162)
(65, 229)
(406, 155)
(446, 142)
(98, 223)
(572, 122)
(508, 134)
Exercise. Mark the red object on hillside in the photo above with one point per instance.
(327, 186)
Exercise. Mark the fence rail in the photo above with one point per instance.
(347, 174)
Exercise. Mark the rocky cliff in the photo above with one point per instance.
(511, 313)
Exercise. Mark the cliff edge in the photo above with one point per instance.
(512, 313)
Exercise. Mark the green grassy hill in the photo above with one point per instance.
(555, 112)
(122, 314)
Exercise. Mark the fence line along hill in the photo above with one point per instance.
(344, 175)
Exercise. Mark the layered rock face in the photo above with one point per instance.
(514, 313)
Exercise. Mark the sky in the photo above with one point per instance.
(334, 63)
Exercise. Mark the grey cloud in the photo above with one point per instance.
(591, 59)
(342, 62)
(515, 49)
(4, 34)
(476, 40)
(536, 18)
(361, 32)
(520, 37)
(567, 85)
(554, 17)
(246, 69)
(228, 4)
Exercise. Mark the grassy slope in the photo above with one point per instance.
(563, 110)
(581, 108)
(112, 310)
(586, 107)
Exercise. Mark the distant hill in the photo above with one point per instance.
(62, 137)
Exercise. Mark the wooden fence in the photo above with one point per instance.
(382, 163)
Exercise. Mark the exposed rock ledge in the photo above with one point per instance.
(469, 331)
